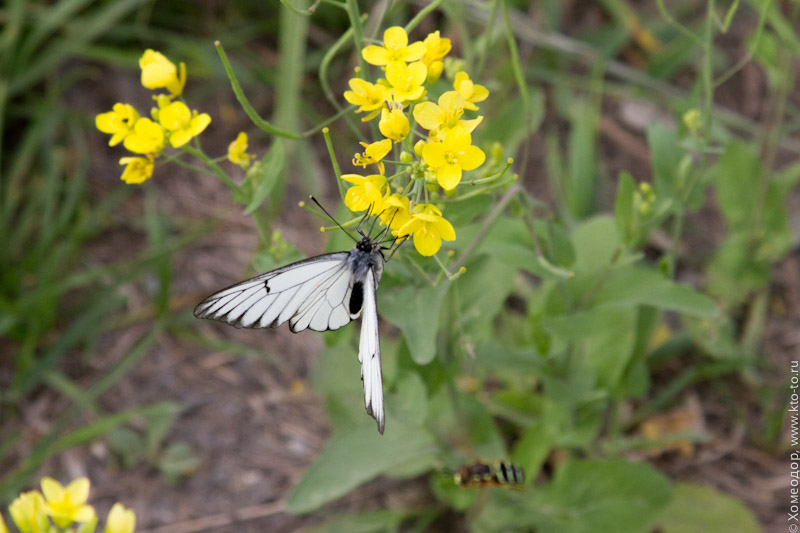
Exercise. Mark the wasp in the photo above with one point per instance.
(482, 474)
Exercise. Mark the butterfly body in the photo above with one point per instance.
(320, 293)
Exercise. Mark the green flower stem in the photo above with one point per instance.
(326, 61)
(483, 190)
(337, 171)
(487, 224)
(519, 76)
(358, 34)
(176, 159)
(489, 179)
(487, 32)
(217, 171)
(245, 103)
(302, 12)
(424, 12)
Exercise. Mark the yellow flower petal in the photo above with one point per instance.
(120, 520)
(471, 158)
(413, 52)
(375, 55)
(426, 242)
(78, 490)
(434, 154)
(429, 115)
(52, 489)
(448, 176)
(395, 38)
(157, 71)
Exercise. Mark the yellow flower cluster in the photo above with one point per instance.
(171, 122)
(441, 157)
(33, 511)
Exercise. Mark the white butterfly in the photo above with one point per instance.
(322, 293)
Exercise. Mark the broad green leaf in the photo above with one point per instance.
(667, 154)
(127, 445)
(596, 243)
(697, 509)
(409, 403)
(533, 447)
(632, 286)
(356, 456)
(507, 128)
(737, 174)
(590, 496)
(415, 310)
(178, 461)
(363, 522)
(335, 378)
(482, 291)
(445, 488)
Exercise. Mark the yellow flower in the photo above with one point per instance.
(120, 520)
(29, 512)
(3, 528)
(147, 137)
(368, 96)
(373, 153)
(367, 192)
(237, 151)
(406, 80)
(67, 505)
(394, 124)
(429, 228)
(395, 212)
(138, 170)
(445, 115)
(472, 93)
(182, 123)
(159, 72)
(118, 122)
(448, 158)
(435, 50)
(395, 48)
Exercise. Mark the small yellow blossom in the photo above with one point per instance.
(445, 115)
(367, 192)
(159, 72)
(368, 96)
(237, 151)
(406, 80)
(147, 137)
(429, 228)
(395, 49)
(693, 120)
(373, 153)
(395, 212)
(182, 123)
(29, 512)
(471, 92)
(138, 170)
(118, 122)
(435, 49)
(454, 154)
(394, 124)
(120, 520)
(67, 505)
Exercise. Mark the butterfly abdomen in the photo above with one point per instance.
(356, 298)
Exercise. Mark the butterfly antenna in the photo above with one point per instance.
(361, 222)
(331, 217)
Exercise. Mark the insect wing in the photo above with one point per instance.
(313, 293)
(369, 354)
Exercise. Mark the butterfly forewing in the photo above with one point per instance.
(312, 293)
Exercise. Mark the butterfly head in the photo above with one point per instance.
(365, 244)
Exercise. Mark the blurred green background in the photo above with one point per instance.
(646, 391)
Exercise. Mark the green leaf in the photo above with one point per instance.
(596, 243)
(415, 311)
(354, 457)
(410, 401)
(126, 444)
(178, 461)
(591, 496)
(667, 154)
(482, 291)
(445, 488)
(697, 509)
(263, 175)
(632, 285)
(579, 190)
(363, 522)
(623, 207)
(736, 175)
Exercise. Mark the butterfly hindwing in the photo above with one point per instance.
(369, 353)
(314, 293)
